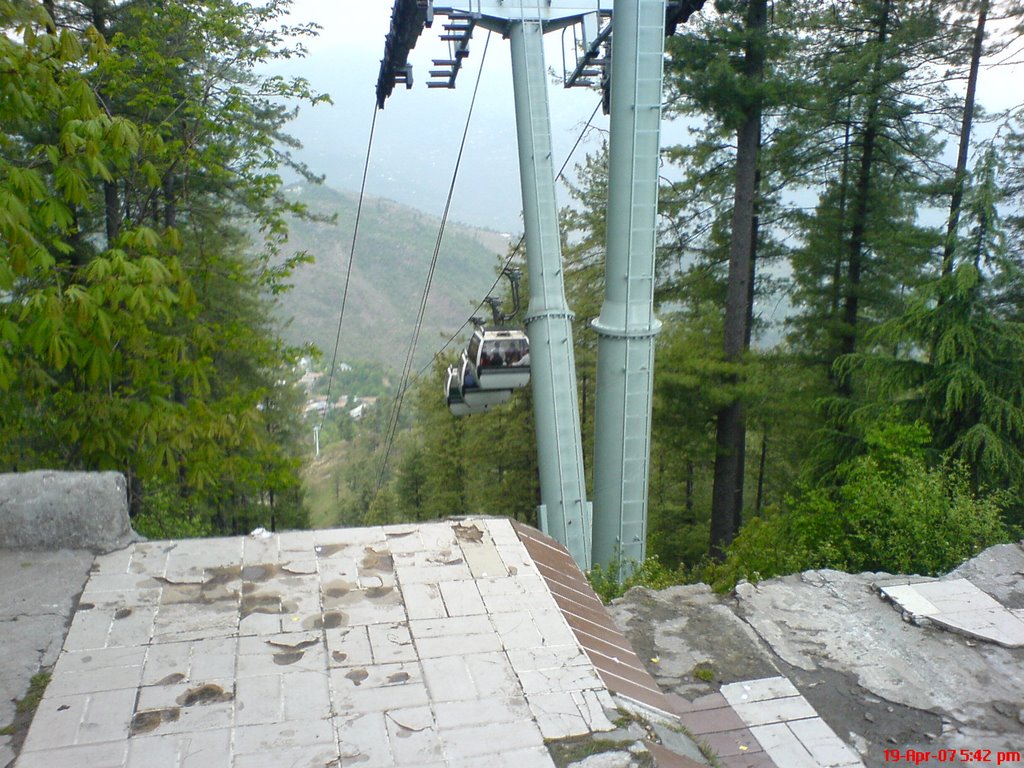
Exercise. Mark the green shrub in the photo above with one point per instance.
(166, 515)
(650, 573)
(887, 512)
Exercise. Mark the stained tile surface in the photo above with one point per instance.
(435, 644)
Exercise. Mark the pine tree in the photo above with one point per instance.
(724, 70)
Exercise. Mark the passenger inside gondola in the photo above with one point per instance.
(515, 351)
(494, 358)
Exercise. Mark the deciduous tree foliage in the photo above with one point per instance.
(138, 152)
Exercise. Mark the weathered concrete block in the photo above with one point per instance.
(56, 510)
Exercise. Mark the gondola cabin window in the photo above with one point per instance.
(501, 358)
(473, 351)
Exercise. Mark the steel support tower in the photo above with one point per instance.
(627, 326)
(564, 512)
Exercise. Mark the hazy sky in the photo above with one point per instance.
(417, 134)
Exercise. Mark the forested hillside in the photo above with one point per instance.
(393, 253)
(137, 148)
(839, 144)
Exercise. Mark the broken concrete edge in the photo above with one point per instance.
(882, 588)
(49, 509)
(575, 751)
(656, 721)
(639, 733)
(923, 610)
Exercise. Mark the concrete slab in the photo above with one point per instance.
(823, 744)
(52, 510)
(958, 605)
(909, 600)
(40, 591)
(774, 710)
(787, 726)
(764, 689)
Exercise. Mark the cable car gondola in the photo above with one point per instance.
(465, 397)
(499, 358)
(496, 361)
(499, 355)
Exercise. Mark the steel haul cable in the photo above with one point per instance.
(351, 261)
(511, 256)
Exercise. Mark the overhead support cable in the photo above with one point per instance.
(396, 409)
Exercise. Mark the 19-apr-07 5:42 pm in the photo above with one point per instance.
(964, 756)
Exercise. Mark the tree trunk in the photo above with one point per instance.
(134, 493)
(730, 439)
(861, 203)
(689, 489)
(112, 212)
(759, 502)
(844, 178)
(966, 123)
(99, 12)
(170, 202)
(755, 226)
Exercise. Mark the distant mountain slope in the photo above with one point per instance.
(392, 257)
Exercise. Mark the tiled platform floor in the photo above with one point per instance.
(787, 726)
(427, 645)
